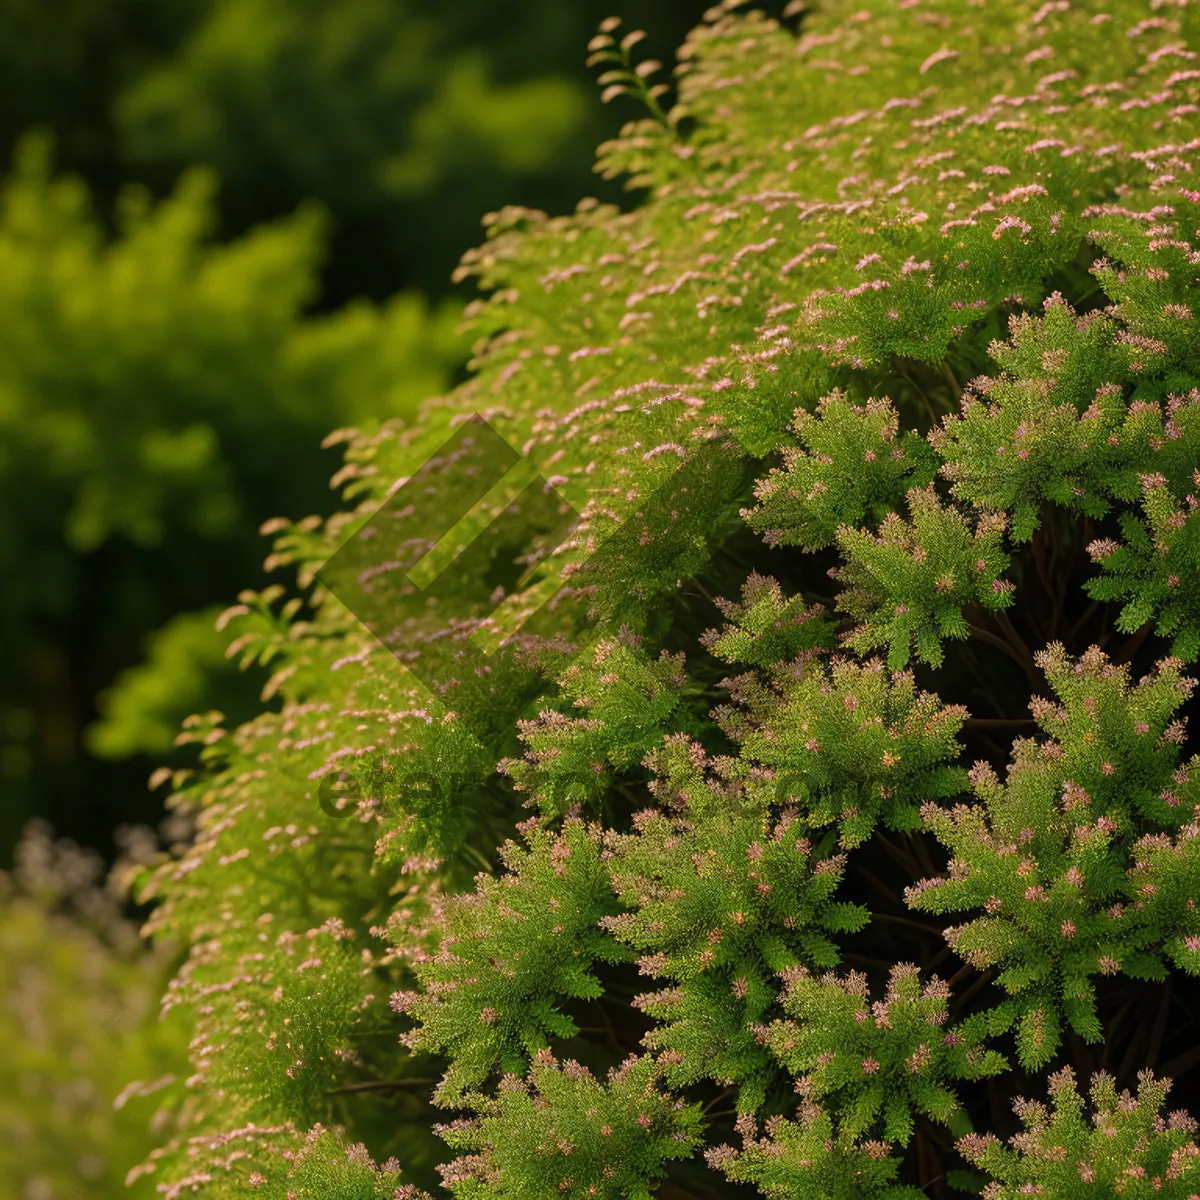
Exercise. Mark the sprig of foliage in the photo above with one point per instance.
(1157, 569)
(877, 1063)
(907, 585)
(624, 77)
(1123, 1147)
(630, 702)
(723, 897)
(852, 464)
(1069, 856)
(1039, 431)
(508, 953)
(563, 1133)
(852, 744)
(802, 1159)
(283, 1161)
(766, 627)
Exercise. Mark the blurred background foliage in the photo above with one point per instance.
(90, 1080)
(227, 227)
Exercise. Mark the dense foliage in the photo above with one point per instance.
(886, 400)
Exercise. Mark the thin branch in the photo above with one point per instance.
(998, 722)
(1060, 597)
(997, 749)
(886, 891)
(1110, 1032)
(983, 693)
(876, 964)
(1083, 1058)
(967, 654)
(955, 388)
(925, 400)
(1026, 664)
(1039, 559)
(1130, 648)
(960, 974)
(381, 1085)
(1058, 591)
(1132, 1052)
(981, 982)
(1160, 1026)
(1180, 1064)
(921, 852)
(932, 929)
(1087, 614)
(719, 1098)
(608, 1027)
(1001, 619)
(936, 961)
(903, 858)
(700, 590)
(924, 1168)
(1039, 563)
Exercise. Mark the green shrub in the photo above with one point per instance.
(955, 237)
